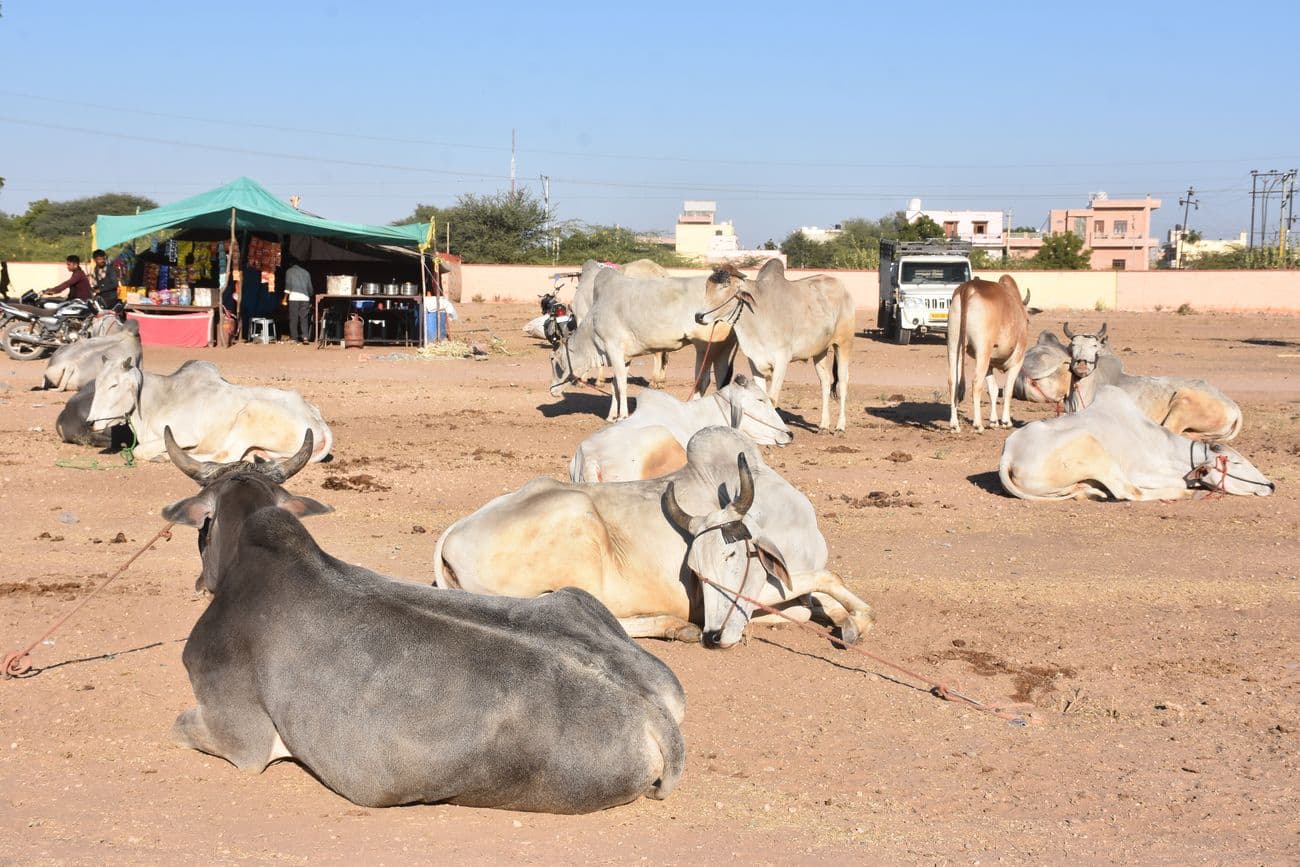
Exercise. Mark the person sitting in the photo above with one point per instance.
(77, 284)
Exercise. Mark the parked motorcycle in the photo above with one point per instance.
(33, 327)
(559, 319)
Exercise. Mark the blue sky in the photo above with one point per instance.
(786, 114)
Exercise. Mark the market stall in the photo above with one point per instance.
(226, 257)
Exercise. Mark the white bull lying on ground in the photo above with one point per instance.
(211, 419)
(639, 546)
(652, 441)
(1111, 449)
(1071, 374)
(77, 364)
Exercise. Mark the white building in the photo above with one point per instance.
(821, 236)
(983, 229)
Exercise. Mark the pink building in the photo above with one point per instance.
(1117, 232)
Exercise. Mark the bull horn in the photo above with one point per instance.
(1026, 297)
(1068, 332)
(745, 497)
(283, 470)
(675, 512)
(200, 471)
(1101, 335)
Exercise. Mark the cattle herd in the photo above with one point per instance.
(513, 680)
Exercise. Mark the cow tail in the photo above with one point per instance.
(667, 736)
(443, 577)
(957, 362)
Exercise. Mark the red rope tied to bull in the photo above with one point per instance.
(18, 663)
(941, 690)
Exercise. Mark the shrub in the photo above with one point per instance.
(477, 298)
(1184, 309)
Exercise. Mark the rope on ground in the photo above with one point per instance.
(128, 458)
(18, 662)
(937, 688)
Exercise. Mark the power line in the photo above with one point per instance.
(732, 161)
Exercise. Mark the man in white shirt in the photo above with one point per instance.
(298, 284)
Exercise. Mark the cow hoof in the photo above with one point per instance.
(849, 633)
(689, 633)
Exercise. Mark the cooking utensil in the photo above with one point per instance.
(391, 289)
(369, 288)
(409, 288)
(340, 284)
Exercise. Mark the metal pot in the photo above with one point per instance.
(409, 288)
(369, 288)
(391, 289)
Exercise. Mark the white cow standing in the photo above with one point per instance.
(652, 441)
(213, 420)
(778, 321)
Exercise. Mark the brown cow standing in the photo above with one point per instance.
(993, 328)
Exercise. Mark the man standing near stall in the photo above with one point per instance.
(297, 281)
(103, 280)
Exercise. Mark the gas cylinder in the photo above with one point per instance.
(354, 333)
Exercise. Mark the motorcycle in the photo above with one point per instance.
(33, 327)
(560, 321)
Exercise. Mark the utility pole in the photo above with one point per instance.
(546, 206)
(512, 162)
(1187, 203)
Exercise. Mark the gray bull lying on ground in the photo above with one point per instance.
(639, 546)
(211, 418)
(395, 693)
(652, 441)
(1111, 449)
(1189, 407)
(76, 365)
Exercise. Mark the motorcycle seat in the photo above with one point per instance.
(27, 308)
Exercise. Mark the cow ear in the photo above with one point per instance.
(128, 363)
(770, 556)
(192, 511)
(304, 507)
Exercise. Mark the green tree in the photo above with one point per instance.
(803, 252)
(506, 228)
(50, 221)
(1062, 251)
(922, 229)
(578, 243)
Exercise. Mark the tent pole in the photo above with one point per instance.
(230, 277)
(419, 310)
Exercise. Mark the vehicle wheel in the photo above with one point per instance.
(902, 336)
(20, 351)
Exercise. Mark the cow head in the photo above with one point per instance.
(726, 294)
(1046, 370)
(729, 552)
(1220, 468)
(753, 414)
(1084, 349)
(232, 492)
(573, 358)
(117, 388)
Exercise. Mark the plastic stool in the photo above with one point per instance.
(262, 330)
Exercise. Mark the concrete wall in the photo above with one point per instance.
(1227, 291)
(36, 275)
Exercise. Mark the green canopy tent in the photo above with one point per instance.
(254, 210)
(245, 206)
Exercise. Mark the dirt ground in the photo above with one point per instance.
(1157, 644)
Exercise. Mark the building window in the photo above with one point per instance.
(1081, 226)
(1121, 228)
(717, 232)
(1117, 264)
(950, 228)
(1099, 227)
(981, 228)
